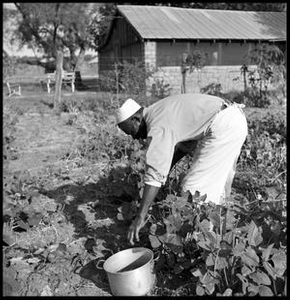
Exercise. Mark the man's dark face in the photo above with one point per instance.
(134, 127)
(130, 127)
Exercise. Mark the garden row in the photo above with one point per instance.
(203, 249)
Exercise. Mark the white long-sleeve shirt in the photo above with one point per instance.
(172, 120)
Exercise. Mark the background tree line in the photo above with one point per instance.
(69, 27)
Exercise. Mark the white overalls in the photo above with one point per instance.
(214, 161)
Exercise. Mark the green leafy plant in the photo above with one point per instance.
(128, 77)
(270, 68)
(160, 89)
(221, 246)
(212, 89)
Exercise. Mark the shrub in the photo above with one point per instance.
(160, 89)
(214, 89)
(9, 65)
(127, 77)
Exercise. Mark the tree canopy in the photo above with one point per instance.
(58, 26)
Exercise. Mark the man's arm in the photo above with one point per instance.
(148, 197)
(178, 155)
(149, 194)
(181, 150)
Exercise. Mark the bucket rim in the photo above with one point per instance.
(126, 272)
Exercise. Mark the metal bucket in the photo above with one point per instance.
(131, 272)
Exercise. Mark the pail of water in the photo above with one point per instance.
(131, 272)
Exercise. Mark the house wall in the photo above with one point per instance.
(166, 58)
(150, 54)
(216, 53)
(123, 45)
(229, 77)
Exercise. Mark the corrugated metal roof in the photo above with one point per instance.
(162, 22)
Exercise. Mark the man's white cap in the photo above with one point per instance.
(127, 110)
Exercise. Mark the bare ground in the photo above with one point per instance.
(89, 230)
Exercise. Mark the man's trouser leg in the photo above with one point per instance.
(214, 162)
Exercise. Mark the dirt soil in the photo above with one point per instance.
(86, 228)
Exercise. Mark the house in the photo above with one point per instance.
(161, 37)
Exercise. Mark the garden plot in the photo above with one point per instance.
(71, 187)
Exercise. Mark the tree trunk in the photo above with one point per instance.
(183, 90)
(183, 72)
(58, 82)
(80, 61)
(81, 58)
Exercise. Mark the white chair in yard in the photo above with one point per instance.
(67, 78)
(13, 89)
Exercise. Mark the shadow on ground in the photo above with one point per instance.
(94, 216)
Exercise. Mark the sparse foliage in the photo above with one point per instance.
(269, 62)
(53, 26)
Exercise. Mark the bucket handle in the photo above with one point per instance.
(157, 257)
(103, 260)
(97, 264)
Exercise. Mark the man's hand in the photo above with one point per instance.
(133, 232)
(149, 194)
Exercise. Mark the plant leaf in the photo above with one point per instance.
(269, 269)
(265, 291)
(221, 263)
(200, 290)
(196, 272)
(210, 260)
(153, 229)
(246, 270)
(260, 278)
(228, 292)
(173, 241)
(208, 278)
(155, 243)
(209, 288)
(250, 258)
(239, 249)
(279, 260)
(253, 289)
(204, 245)
(244, 281)
(204, 226)
(254, 235)
(228, 237)
(120, 217)
(215, 219)
(266, 252)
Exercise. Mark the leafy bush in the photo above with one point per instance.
(127, 77)
(214, 89)
(9, 65)
(10, 119)
(264, 151)
(228, 249)
(160, 90)
(271, 69)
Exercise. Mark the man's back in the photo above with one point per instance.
(186, 115)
